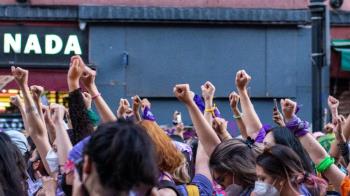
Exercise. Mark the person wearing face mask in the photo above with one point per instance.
(280, 172)
(52, 160)
(233, 166)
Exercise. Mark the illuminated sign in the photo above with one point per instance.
(41, 47)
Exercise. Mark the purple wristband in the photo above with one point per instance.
(298, 126)
(147, 114)
(199, 102)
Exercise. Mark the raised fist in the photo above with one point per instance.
(208, 90)
(242, 80)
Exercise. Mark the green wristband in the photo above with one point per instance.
(324, 164)
(94, 118)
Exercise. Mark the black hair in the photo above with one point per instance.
(285, 137)
(12, 168)
(123, 155)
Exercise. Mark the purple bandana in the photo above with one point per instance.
(217, 113)
(298, 126)
(261, 135)
(199, 102)
(147, 114)
(183, 147)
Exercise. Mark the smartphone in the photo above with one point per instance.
(275, 104)
(178, 118)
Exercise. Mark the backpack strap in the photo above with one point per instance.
(166, 184)
(192, 190)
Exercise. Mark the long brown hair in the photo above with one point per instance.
(168, 157)
(237, 157)
(281, 162)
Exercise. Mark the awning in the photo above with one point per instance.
(51, 80)
(343, 46)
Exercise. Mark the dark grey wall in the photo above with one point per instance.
(278, 59)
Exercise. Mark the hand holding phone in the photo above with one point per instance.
(275, 108)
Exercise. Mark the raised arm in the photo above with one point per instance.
(342, 143)
(63, 142)
(123, 107)
(333, 105)
(17, 101)
(103, 109)
(202, 162)
(136, 106)
(250, 117)
(37, 91)
(315, 150)
(205, 132)
(82, 126)
(49, 124)
(234, 100)
(38, 129)
(220, 127)
(277, 117)
(208, 91)
(146, 110)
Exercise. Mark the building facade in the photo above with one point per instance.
(146, 47)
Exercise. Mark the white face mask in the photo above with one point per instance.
(52, 160)
(262, 188)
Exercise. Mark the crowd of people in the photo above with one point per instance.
(77, 151)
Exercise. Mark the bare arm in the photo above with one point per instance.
(123, 108)
(234, 100)
(208, 91)
(315, 150)
(63, 142)
(202, 162)
(39, 132)
(49, 125)
(333, 105)
(136, 108)
(205, 132)
(37, 91)
(16, 100)
(220, 127)
(250, 117)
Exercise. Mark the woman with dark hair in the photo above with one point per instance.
(282, 136)
(280, 172)
(258, 132)
(118, 160)
(12, 168)
(231, 162)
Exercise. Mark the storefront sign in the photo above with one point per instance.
(41, 47)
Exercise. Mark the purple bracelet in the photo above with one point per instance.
(297, 126)
(147, 114)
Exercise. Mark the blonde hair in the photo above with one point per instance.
(181, 175)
